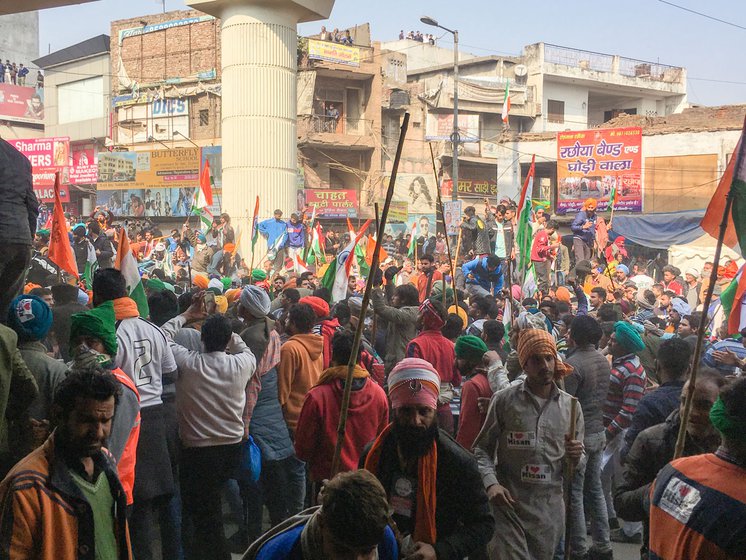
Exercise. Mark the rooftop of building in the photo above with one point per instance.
(693, 119)
(85, 49)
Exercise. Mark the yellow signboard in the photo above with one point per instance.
(333, 52)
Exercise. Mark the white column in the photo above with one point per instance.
(258, 55)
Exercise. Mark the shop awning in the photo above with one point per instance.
(660, 230)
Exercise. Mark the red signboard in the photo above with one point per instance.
(21, 104)
(47, 156)
(83, 167)
(332, 203)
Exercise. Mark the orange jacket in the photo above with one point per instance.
(44, 515)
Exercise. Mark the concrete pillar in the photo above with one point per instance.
(258, 59)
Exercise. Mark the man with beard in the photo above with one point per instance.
(654, 447)
(64, 500)
(521, 451)
(433, 483)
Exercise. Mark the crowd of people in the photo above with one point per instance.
(417, 36)
(164, 423)
(336, 36)
(12, 73)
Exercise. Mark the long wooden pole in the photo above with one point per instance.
(253, 219)
(372, 272)
(570, 476)
(681, 438)
(366, 300)
(445, 231)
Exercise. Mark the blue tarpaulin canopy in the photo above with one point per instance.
(661, 230)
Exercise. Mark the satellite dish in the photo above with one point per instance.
(520, 70)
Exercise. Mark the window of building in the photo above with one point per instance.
(81, 100)
(555, 111)
(204, 117)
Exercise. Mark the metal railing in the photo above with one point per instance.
(339, 125)
(600, 62)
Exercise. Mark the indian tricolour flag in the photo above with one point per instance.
(733, 181)
(338, 271)
(202, 203)
(524, 233)
(733, 299)
(126, 263)
(506, 104)
(412, 241)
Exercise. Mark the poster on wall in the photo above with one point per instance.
(452, 216)
(83, 167)
(592, 163)
(47, 156)
(439, 126)
(417, 191)
(21, 103)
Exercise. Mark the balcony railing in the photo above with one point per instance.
(600, 62)
(340, 125)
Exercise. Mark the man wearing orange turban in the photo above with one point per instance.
(521, 451)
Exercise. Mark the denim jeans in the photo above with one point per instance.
(586, 489)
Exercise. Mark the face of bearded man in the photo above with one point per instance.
(415, 428)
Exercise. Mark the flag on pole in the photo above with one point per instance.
(734, 178)
(91, 266)
(524, 234)
(301, 265)
(60, 250)
(614, 194)
(734, 302)
(255, 225)
(412, 241)
(205, 184)
(317, 245)
(506, 103)
(338, 271)
(127, 265)
(370, 249)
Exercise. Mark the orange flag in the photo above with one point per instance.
(60, 250)
(205, 184)
(716, 208)
(370, 248)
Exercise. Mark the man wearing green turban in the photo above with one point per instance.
(470, 351)
(95, 329)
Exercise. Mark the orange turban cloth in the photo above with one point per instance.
(536, 341)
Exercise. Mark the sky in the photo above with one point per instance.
(649, 30)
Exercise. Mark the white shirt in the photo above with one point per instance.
(211, 390)
(144, 355)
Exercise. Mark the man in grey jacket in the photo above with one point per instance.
(401, 320)
(589, 382)
(18, 214)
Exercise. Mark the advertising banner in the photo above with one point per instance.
(470, 188)
(398, 212)
(47, 156)
(332, 203)
(439, 126)
(178, 168)
(417, 191)
(21, 104)
(591, 163)
(214, 154)
(83, 168)
(452, 216)
(333, 52)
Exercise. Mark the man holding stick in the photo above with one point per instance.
(521, 451)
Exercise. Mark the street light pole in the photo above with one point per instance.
(455, 136)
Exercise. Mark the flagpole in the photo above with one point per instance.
(689, 397)
(445, 231)
(372, 272)
(366, 300)
(253, 233)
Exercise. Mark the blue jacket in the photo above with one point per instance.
(296, 235)
(273, 229)
(490, 281)
(587, 235)
(267, 426)
(653, 409)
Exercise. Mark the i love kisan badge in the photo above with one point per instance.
(521, 440)
(536, 474)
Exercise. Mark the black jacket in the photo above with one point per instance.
(106, 256)
(651, 451)
(20, 208)
(463, 520)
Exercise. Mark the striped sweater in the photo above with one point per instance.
(626, 388)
